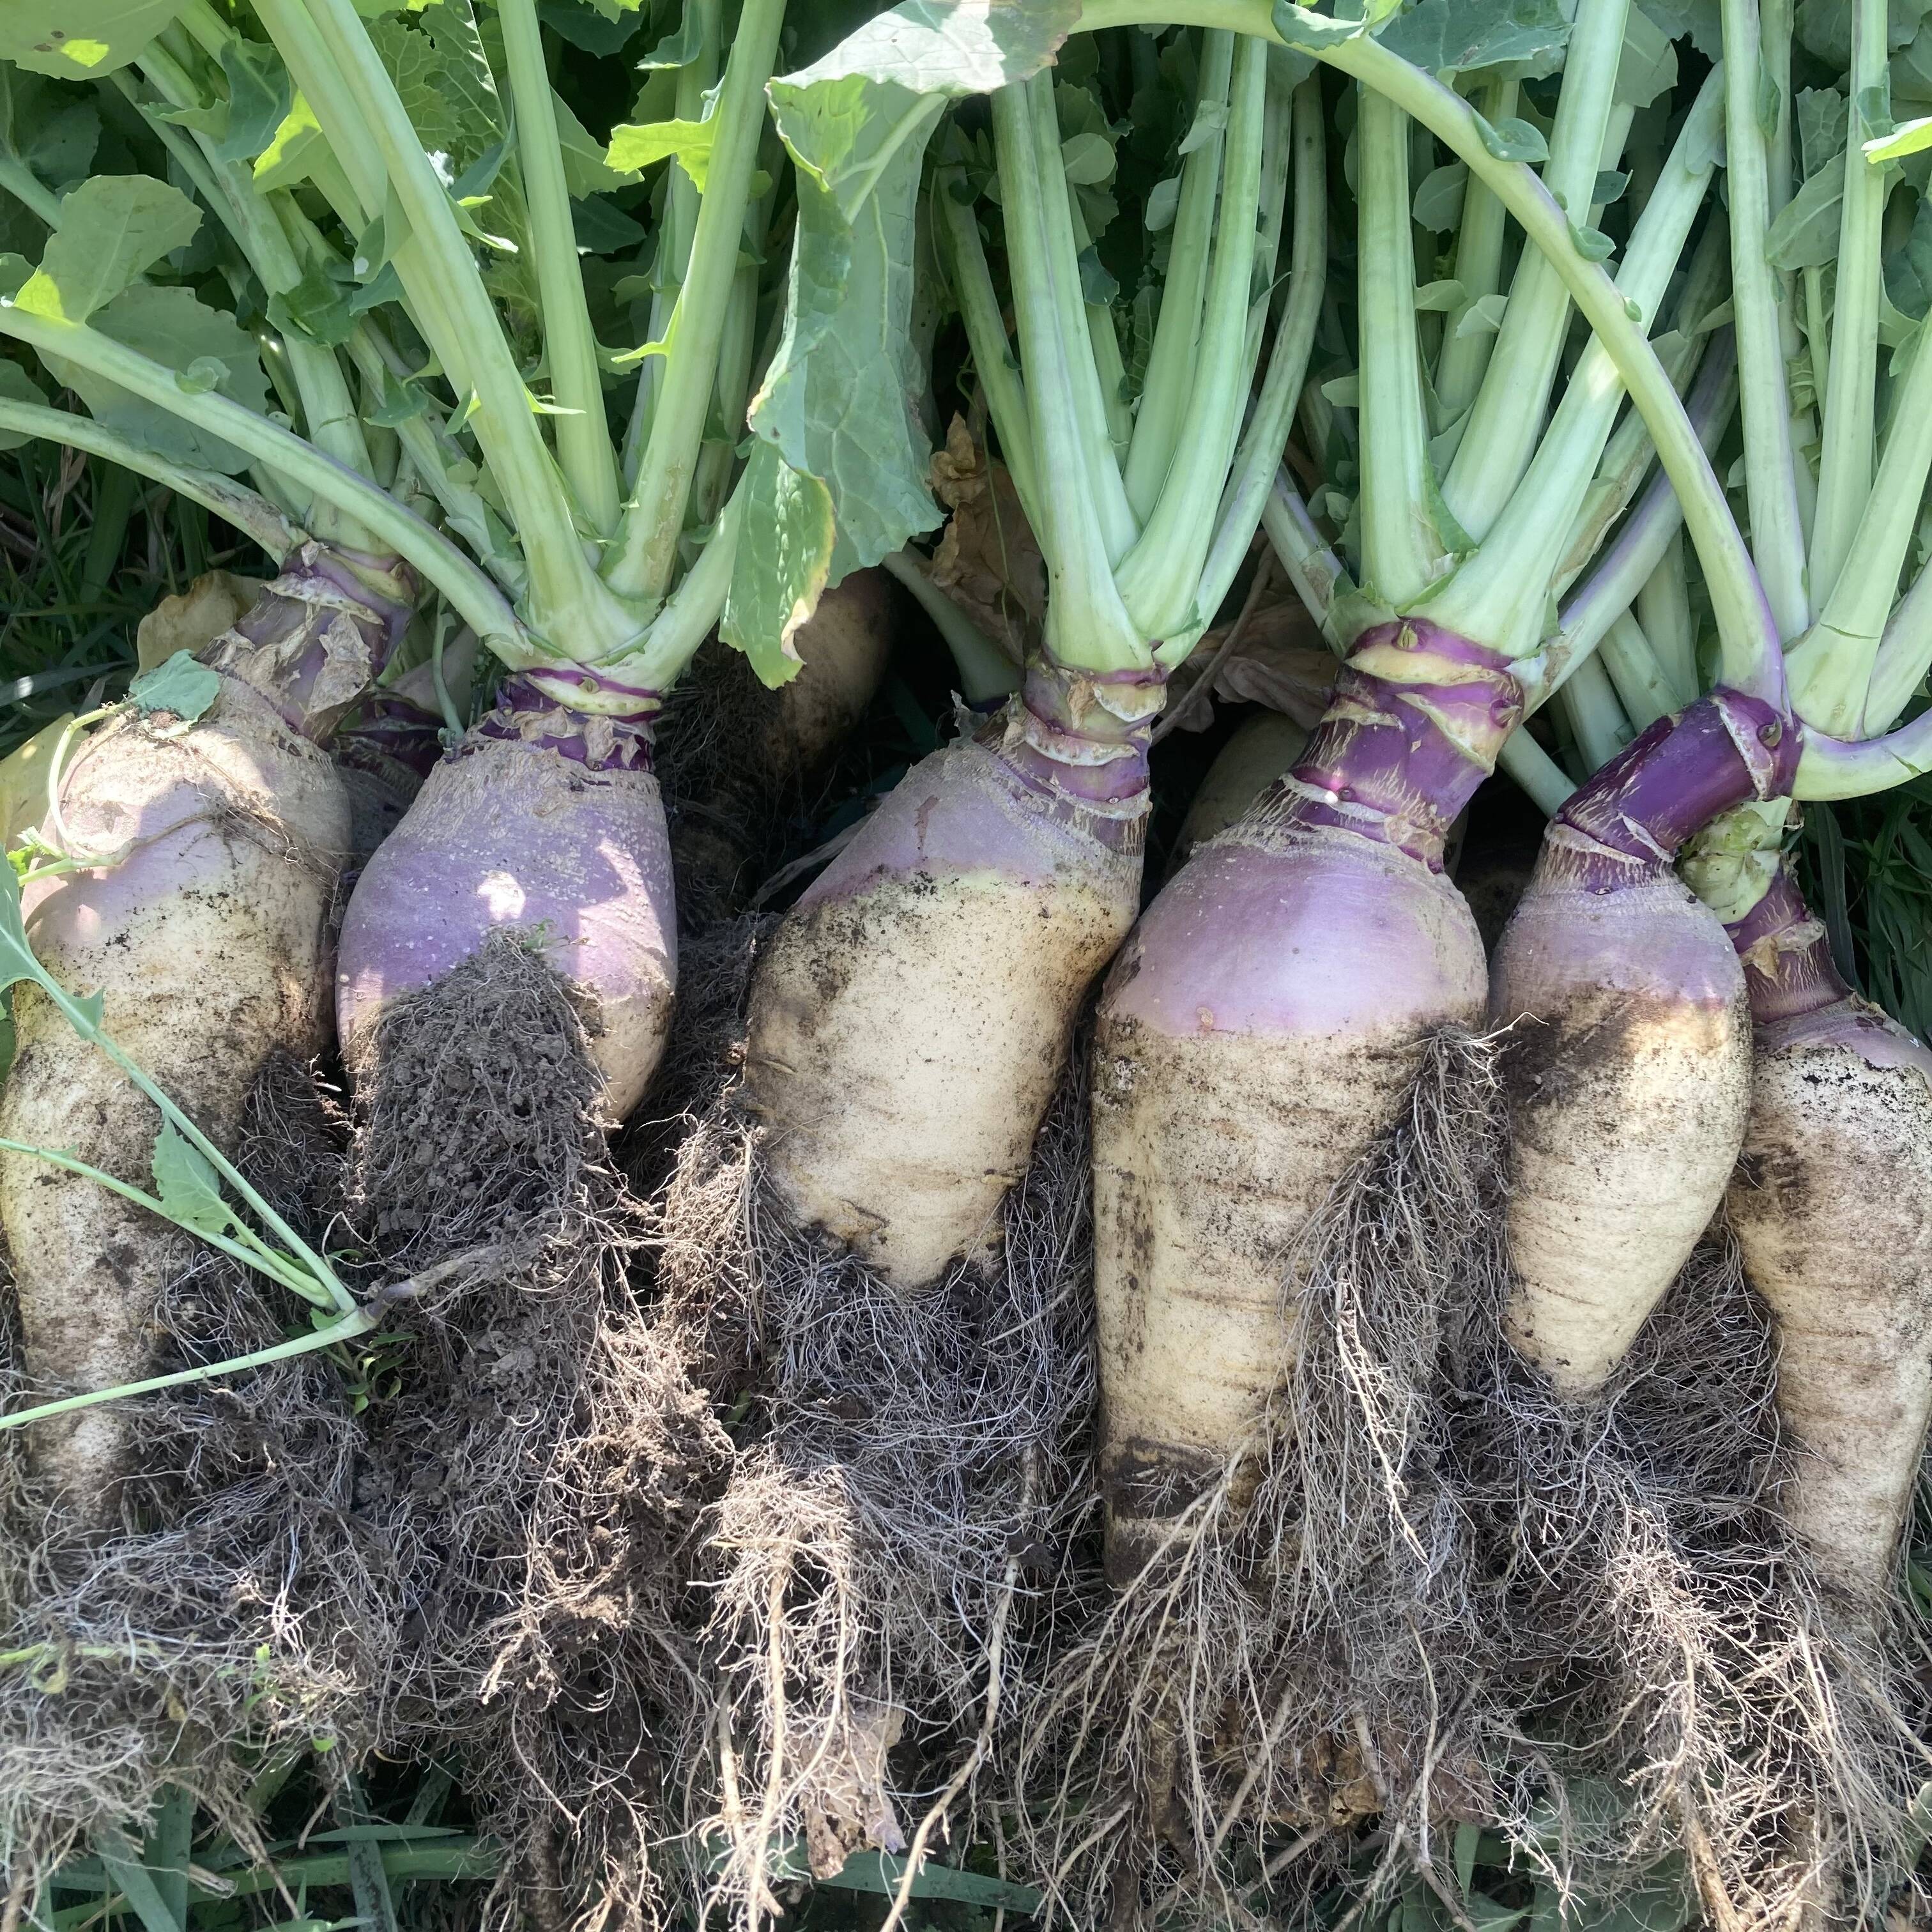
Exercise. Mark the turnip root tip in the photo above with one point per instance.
(902, 1522)
(538, 1468)
(1280, 1660)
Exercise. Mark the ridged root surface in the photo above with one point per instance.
(911, 1019)
(1831, 1204)
(1629, 1075)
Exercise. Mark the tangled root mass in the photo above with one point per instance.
(1688, 1693)
(894, 1552)
(1299, 1654)
(540, 1461)
(236, 1612)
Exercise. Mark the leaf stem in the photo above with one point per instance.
(570, 345)
(644, 556)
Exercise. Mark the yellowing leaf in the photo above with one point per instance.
(80, 40)
(689, 142)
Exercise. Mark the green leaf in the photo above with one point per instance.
(681, 48)
(316, 308)
(1087, 159)
(838, 401)
(113, 229)
(1454, 37)
(881, 89)
(784, 550)
(1439, 297)
(690, 142)
(585, 171)
(136, 1883)
(1648, 67)
(1511, 140)
(80, 40)
(1592, 244)
(185, 1184)
(180, 685)
(1438, 201)
(1468, 1838)
(295, 147)
(1805, 235)
(401, 402)
(171, 326)
(1699, 21)
(1309, 32)
(258, 99)
(1485, 316)
(17, 386)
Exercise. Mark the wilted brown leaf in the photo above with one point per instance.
(989, 561)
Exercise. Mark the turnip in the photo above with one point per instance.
(523, 1215)
(909, 1022)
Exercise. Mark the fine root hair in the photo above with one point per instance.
(234, 1613)
(539, 1457)
(1302, 1654)
(1690, 1697)
(901, 1541)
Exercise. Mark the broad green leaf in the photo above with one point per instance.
(785, 549)
(838, 400)
(1805, 235)
(1592, 244)
(1309, 32)
(681, 48)
(316, 308)
(186, 1185)
(113, 229)
(1485, 316)
(1701, 22)
(585, 170)
(689, 142)
(80, 40)
(881, 90)
(258, 99)
(1438, 201)
(172, 327)
(17, 386)
(1511, 139)
(1439, 297)
(295, 147)
(1648, 67)
(1453, 37)
(602, 30)
(1163, 201)
(1087, 159)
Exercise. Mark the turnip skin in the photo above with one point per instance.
(208, 943)
(544, 822)
(1630, 1077)
(1262, 1026)
(910, 1018)
(1831, 1204)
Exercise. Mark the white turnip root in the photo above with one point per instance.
(1831, 1204)
(206, 931)
(1262, 1026)
(1262, 748)
(1630, 1069)
(736, 757)
(910, 1018)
